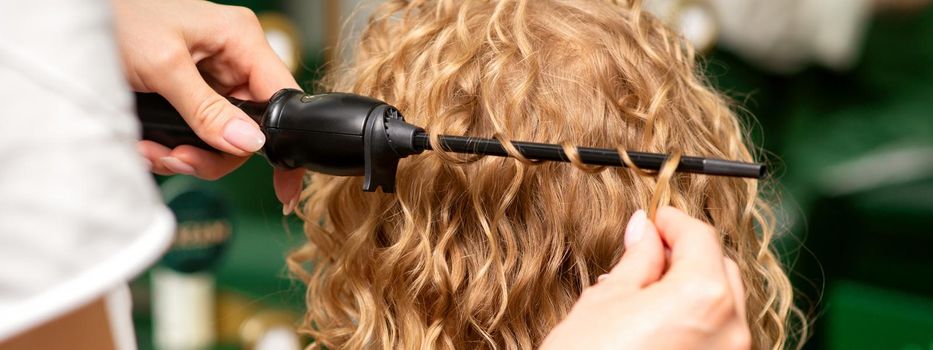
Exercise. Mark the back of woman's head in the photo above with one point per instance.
(492, 252)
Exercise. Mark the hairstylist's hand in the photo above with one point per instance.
(191, 52)
(697, 303)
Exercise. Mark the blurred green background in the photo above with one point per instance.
(852, 153)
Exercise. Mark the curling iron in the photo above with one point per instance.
(350, 135)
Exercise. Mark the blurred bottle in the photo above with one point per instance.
(694, 19)
(284, 38)
(183, 287)
(247, 324)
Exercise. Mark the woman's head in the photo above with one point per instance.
(492, 252)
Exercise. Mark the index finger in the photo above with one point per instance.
(269, 74)
(259, 72)
(694, 244)
(208, 113)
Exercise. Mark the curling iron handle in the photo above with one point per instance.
(161, 123)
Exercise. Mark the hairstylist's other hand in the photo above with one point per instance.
(697, 303)
(191, 52)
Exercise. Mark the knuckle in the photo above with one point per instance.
(169, 58)
(708, 292)
(710, 299)
(209, 115)
(243, 15)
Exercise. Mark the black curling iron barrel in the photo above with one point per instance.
(351, 135)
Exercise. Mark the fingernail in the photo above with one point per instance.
(244, 135)
(148, 163)
(290, 207)
(636, 228)
(602, 277)
(177, 166)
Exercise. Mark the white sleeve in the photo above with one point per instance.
(79, 214)
(785, 35)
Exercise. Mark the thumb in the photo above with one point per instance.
(643, 260)
(212, 117)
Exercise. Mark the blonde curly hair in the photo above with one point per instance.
(485, 252)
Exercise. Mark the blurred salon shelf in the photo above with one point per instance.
(253, 264)
(853, 152)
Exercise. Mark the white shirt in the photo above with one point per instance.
(79, 214)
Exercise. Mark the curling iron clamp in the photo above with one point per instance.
(350, 135)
